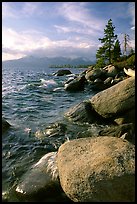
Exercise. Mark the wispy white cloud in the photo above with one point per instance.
(133, 28)
(74, 29)
(78, 12)
(21, 9)
(131, 10)
(28, 42)
(30, 8)
(80, 21)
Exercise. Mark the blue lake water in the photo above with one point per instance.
(31, 100)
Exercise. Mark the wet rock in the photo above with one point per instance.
(62, 72)
(5, 125)
(76, 84)
(99, 85)
(41, 181)
(54, 130)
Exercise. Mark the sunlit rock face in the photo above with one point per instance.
(100, 169)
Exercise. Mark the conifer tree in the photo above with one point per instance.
(116, 51)
(104, 53)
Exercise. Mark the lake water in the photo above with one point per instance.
(31, 100)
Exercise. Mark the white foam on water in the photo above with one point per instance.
(58, 88)
(47, 83)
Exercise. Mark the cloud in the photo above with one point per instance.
(74, 29)
(133, 28)
(32, 42)
(78, 12)
(59, 29)
(80, 20)
(21, 9)
(10, 56)
(7, 10)
(25, 40)
(131, 10)
(30, 8)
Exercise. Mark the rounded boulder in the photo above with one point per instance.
(100, 169)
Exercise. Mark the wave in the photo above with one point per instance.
(58, 89)
(48, 83)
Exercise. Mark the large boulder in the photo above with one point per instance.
(115, 100)
(100, 169)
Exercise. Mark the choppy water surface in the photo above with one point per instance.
(31, 100)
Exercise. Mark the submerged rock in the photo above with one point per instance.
(54, 130)
(5, 125)
(41, 181)
(98, 169)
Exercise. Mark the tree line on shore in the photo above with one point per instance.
(69, 66)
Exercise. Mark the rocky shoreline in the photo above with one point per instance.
(97, 162)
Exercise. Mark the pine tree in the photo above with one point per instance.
(116, 51)
(105, 52)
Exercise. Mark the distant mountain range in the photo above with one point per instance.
(44, 62)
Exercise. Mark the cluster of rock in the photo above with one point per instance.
(90, 167)
(98, 79)
(102, 168)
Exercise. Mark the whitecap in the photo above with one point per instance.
(71, 75)
(47, 83)
(58, 88)
(22, 87)
(28, 130)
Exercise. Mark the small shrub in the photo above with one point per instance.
(131, 61)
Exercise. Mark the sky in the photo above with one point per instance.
(67, 29)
